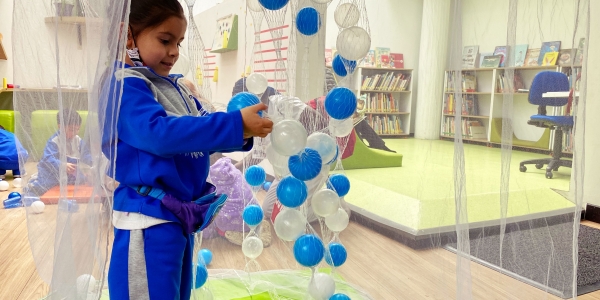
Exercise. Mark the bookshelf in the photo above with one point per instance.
(389, 99)
(483, 91)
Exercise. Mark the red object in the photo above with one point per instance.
(10, 86)
(81, 193)
(277, 207)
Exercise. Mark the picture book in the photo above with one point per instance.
(531, 59)
(550, 59)
(520, 51)
(328, 57)
(369, 60)
(469, 57)
(565, 57)
(481, 57)
(491, 61)
(397, 60)
(501, 50)
(579, 55)
(382, 57)
(548, 47)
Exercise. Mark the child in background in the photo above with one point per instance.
(48, 167)
(10, 150)
(161, 158)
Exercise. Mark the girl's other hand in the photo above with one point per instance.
(254, 125)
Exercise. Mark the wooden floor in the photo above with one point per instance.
(382, 267)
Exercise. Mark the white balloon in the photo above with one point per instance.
(252, 247)
(37, 207)
(256, 83)
(279, 162)
(17, 182)
(86, 284)
(346, 15)
(254, 5)
(340, 128)
(325, 202)
(4, 185)
(353, 43)
(288, 137)
(289, 224)
(324, 144)
(322, 1)
(337, 221)
(321, 287)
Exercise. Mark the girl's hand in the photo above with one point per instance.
(254, 125)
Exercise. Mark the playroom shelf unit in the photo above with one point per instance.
(2, 51)
(389, 99)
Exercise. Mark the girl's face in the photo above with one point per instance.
(159, 46)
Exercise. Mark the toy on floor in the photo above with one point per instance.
(17, 182)
(4, 185)
(13, 201)
(206, 255)
(267, 186)
(37, 207)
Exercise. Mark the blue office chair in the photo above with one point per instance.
(549, 81)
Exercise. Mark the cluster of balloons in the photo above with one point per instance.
(252, 246)
(204, 259)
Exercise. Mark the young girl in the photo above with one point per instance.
(163, 143)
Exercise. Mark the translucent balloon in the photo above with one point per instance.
(252, 247)
(273, 4)
(253, 5)
(321, 1)
(340, 128)
(289, 224)
(342, 66)
(288, 137)
(353, 43)
(278, 161)
(256, 83)
(324, 144)
(308, 21)
(308, 250)
(340, 103)
(338, 221)
(253, 215)
(255, 175)
(337, 255)
(339, 183)
(242, 100)
(86, 283)
(306, 165)
(17, 182)
(292, 192)
(321, 287)
(346, 15)
(37, 207)
(325, 202)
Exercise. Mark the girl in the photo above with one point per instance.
(161, 156)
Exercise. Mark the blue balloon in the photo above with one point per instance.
(201, 276)
(253, 215)
(292, 192)
(339, 183)
(13, 195)
(308, 250)
(337, 255)
(339, 297)
(242, 100)
(341, 66)
(206, 256)
(308, 21)
(267, 185)
(340, 103)
(305, 165)
(273, 4)
(255, 175)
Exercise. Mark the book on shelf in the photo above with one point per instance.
(382, 57)
(501, 50)
(328, 57)
(468, 81)
(550, 59)
(531, 60)
(502, 84)
(470, 128)
(491, 61)
(397, 60)
(386, 124)
(369, 60)
(565, 57)
(547, 47)
(482, 56)
(381, 103)
(469, 57)
(579, 55)
(388, 81)
(520, 51)
(469, 105)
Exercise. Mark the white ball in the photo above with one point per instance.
(325, 202)
(289, 224)
(341, 128)
(337, 221)
(17, 182)
(37, 207)
(321, 1)
(86, 284)
(254, 5)
(324, 144)
(278, 161)
(288, 137)
(4, 185)
(353, 43)
(252, 247)
(321, 287)
(256, 83)
(346, 15)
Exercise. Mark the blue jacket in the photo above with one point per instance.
(163, 139)
(10, 149)
(49, 164)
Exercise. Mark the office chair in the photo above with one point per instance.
(549, 81)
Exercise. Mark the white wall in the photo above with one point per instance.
(6, 66)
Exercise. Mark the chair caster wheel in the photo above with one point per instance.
(522, 168)
(539, 166)
(548, 175)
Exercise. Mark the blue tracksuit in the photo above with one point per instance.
(164, 141)
(10, 149)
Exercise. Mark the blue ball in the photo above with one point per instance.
(201, 276)
(273, 4)
(340, 103)
(255, 175)
(242, 100)
(308, 250)
(308, 21)
(339, 297)
(338, 255)
(339, 183)
(292, 192)
(253, 215)
(267, 185)
(305, 165)
(206, 256)
(14, 195)
(342, 66)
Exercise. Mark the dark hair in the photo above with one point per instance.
(69, 116)
(240, 86)
(145, 14)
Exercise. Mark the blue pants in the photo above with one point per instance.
(151, 263)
